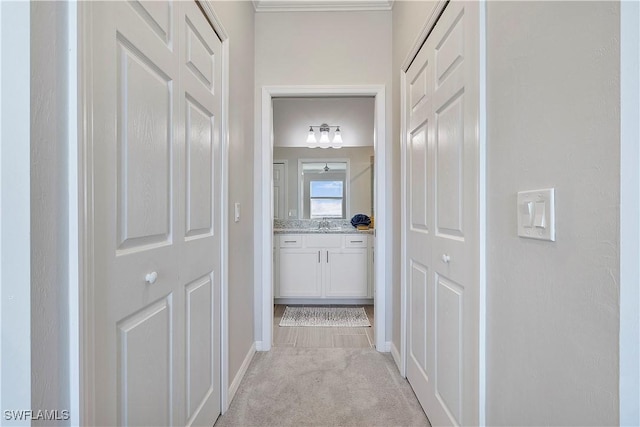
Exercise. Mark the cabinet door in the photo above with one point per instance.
(300, 273)
(346, 273)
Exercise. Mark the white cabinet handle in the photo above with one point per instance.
(446, 258)
(151, 278)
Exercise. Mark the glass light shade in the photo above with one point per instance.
(337, 139)
(312, 142)
(324, 139)
(311, 137)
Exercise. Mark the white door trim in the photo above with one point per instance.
(629, 214)
(85, 258)
(263, 204)
(85, 215)
(482, 209)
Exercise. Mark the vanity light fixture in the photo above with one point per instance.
(324, 142)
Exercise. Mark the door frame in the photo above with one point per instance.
(263, 252)
(482, 207)
(81, 168)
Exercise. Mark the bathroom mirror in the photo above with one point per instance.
(292, 118)
(303, 189)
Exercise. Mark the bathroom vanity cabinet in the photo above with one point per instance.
(323, 266)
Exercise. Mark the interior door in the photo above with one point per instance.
(442, 255)
(156, 107)
(279, 191)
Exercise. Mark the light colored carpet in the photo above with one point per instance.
(323, 387)
(354, 317)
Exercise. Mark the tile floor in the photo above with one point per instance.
(322, 337)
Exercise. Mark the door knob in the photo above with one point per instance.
(446, 258)
(150, 278)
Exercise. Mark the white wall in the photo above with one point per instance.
(293, 116)
(238, 20)
(553, 121)
(321, 48)
(314, 48)
(15, 247)
(360, 174)
(49, 208)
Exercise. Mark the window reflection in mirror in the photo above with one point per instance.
(323, 189)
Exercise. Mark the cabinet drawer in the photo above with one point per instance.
(323, 240)
(355, 241)
(290, 241)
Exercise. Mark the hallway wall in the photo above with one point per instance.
(238, 20)
(323, 48)
(553, 121)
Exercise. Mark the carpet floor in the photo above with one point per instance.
(323, 387)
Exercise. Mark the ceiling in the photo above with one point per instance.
(320, 5)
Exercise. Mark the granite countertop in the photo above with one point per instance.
(351, 230)
(313, 226)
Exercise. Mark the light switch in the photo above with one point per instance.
(540, 215)
(536, 214)
(527, 214)
(237, 212)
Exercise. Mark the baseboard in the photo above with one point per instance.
(396, 356)
(233, 388)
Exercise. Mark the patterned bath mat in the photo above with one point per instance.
(353, 317)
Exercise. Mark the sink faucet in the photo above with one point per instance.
(323, 224)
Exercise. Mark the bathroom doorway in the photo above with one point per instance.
(264, 206)
(323, 265)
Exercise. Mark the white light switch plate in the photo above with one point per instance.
(236, 212)
(536, 214)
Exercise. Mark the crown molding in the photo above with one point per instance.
(321, 5)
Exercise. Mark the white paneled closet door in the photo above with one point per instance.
(442, 223)
(156, 110)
